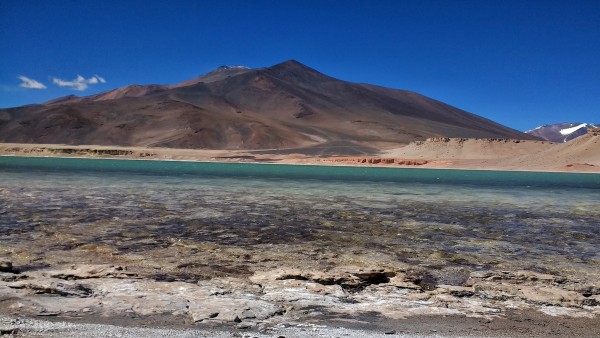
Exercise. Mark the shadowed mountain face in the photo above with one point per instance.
(285, 106)
(562, 132)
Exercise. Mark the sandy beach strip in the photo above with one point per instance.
(533, 157)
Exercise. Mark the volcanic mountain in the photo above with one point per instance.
(562, 132)
(286, 106)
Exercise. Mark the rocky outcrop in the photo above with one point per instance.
(90, 271)
(462, 140)
(54, 288)
(291, 295)
(376, 160)
(351, 279)
(70, 151)
(534, 288)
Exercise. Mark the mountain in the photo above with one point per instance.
(218, 74)
(286, 106)
(561, 132)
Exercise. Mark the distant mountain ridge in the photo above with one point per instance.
(562, 132)
(285, 106)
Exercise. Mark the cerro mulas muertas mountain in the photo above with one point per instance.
(288, 105)
(562, 132)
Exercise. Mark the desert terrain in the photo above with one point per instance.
(579, 155)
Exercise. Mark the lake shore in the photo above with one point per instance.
(395, 158)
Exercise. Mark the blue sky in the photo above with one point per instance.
(520, 63)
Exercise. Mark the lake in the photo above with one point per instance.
(65, 210)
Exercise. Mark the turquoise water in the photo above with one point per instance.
(349, 174)
(471, 219)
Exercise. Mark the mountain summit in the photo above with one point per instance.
(562, 132)
(285, 106)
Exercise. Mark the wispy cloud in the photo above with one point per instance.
(30, 83)
(80, 83)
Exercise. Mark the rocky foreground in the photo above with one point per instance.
(375, 298)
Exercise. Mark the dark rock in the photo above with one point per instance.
(11, 277)
(9, 331)
(7, 266)
(61, 289)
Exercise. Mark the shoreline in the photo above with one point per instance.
(239, 156)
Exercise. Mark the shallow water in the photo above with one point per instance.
(434, 218)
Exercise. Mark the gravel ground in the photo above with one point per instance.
(26, 327)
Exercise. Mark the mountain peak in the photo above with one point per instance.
(298, 72)
(561, 132)
(291, 65)
(224, 68)
(291, 62)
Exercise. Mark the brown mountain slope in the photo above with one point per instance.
(284, 106)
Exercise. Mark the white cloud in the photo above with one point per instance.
(30, 83)
(80, 83)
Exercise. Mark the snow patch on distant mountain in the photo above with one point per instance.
(532, 130)
(232, 67)
(571, 130)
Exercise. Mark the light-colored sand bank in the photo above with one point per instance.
(581, 154)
